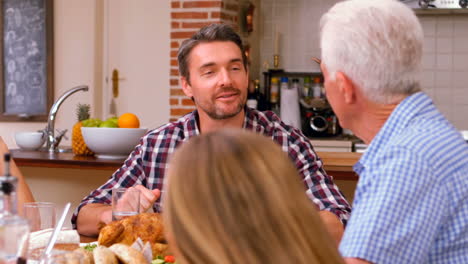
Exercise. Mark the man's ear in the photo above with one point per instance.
(346, 87)
(186, 87)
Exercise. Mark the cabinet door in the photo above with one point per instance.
(136, 44)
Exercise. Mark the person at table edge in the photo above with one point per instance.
(411, 200)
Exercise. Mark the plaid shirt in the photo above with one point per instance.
(148, 163)
(411, 202)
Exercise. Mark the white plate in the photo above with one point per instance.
(81, 245)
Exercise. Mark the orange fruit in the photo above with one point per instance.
(128, 120)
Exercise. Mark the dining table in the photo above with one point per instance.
(87, 239)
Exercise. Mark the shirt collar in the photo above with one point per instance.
(191, 124)
(398, 120)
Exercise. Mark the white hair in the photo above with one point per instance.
(377, 44)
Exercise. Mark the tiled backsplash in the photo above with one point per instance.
(297, 22)
(445, 65)
(445, 61)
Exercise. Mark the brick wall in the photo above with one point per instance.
(187, 16)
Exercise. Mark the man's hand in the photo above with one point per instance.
(147, 197)
(333, 224)
(91, 215)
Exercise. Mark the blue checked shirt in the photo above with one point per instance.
(148, 163)
(411, 201)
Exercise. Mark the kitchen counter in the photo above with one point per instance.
(63, 160)
(340, 164)
(339, 161)
(337, 164)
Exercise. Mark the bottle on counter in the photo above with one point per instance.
(14, 230)
(255, 98)
(296, 85)
(274, 95)
(261, 100)
(8, 185)
(284, 83)
(317, 88)
(252, 101)
(306, 89)
(274, 91)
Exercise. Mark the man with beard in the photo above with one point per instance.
(214, 73)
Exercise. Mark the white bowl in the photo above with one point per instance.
(30, 140)
(112, 143)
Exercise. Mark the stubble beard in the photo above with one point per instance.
(217, 113)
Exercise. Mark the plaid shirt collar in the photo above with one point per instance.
(191, 124)
(191, 127)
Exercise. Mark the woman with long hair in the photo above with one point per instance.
(235, 197)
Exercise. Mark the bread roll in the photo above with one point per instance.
(87, 255)
(103, 255)
(127, 254)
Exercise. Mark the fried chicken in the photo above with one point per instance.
(147, 226)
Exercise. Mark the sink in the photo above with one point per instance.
(65, 150)
(59, 150)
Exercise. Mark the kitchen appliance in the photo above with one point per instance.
(316, 115)
(439, 4)
(318, 119)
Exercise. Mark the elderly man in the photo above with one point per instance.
(214, 73)
(411, 202)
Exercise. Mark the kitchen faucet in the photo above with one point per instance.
(52, 141)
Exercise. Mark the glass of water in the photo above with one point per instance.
(14, 238)
(125, 202)
(41, 215)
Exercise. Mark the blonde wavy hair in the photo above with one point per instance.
(236, 197)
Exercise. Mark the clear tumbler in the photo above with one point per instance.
(14, 239)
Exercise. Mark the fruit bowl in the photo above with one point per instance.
(112, 143)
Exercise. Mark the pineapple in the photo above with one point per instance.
(78, 145)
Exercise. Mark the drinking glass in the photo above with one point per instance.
(41, 215)
(14, 238)
(125, 202)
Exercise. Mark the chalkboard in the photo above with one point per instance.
(26, 59)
